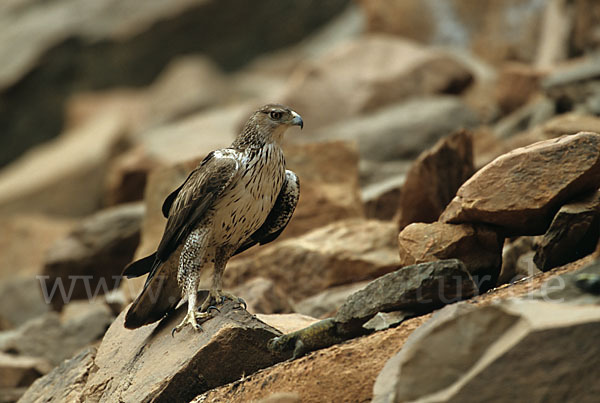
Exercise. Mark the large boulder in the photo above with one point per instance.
(434, 178)
(55, 49)
(520, 191)
(471, 354)
(339, 253)
(147, 364)
(368, 73)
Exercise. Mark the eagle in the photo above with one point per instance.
(235, 198)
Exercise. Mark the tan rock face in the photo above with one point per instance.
(65, 176)
(368, 73)
(434, 179)
(339, 253)
(148, 364)
(521, 190)
(484, 360)
(479, 248)
(329, 188)
(25, 239)
(92, 257)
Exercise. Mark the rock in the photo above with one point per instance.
(402, 131)
(148, 364)
(55, 50)
(535, 112)
(413, 289)
(478, 247)
(472, 355)
(495, 30)
(327, 302)
(263, 296)
(573, 233)
(195, 135)
(381, 199)
(20, 301)
(340, 253)
(286, 323)
(344, 372)
(368, 73)
(64, 383)
(517, 260)
(55, 337)
(127, 176)
(94, 253)
(434, 179)
(330, 191)
(517, 82)
(385, 320)
(19, 371)
(281, 397)
(520, 191)
(65, 176)
(577, 287)
(24, 240)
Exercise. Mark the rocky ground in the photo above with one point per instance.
(446, 240)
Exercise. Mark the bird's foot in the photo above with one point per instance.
(219, 297)
(192, 318)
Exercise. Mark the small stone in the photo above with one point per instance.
(385, 320)
(18, 371)
(328, 301)
(478, 247)
(573, 233)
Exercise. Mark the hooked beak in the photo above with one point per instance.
(297, 120)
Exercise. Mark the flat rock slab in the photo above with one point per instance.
(573, 233)
(517, 350)
(478, 247)
(147, 364)
(521, 191)
(418, 288)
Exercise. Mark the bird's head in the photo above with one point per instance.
(268, 124)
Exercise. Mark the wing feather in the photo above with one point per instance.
(194, 199)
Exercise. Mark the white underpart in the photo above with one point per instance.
(243, 208)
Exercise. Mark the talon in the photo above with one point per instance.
(173, 331)
(213, 307)
(242, 303)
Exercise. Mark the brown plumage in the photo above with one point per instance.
(237, 197)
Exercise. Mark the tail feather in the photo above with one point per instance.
(140, 267)
(160, 295)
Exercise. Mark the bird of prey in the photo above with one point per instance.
(235, 198)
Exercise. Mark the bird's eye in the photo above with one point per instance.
(275, 115)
